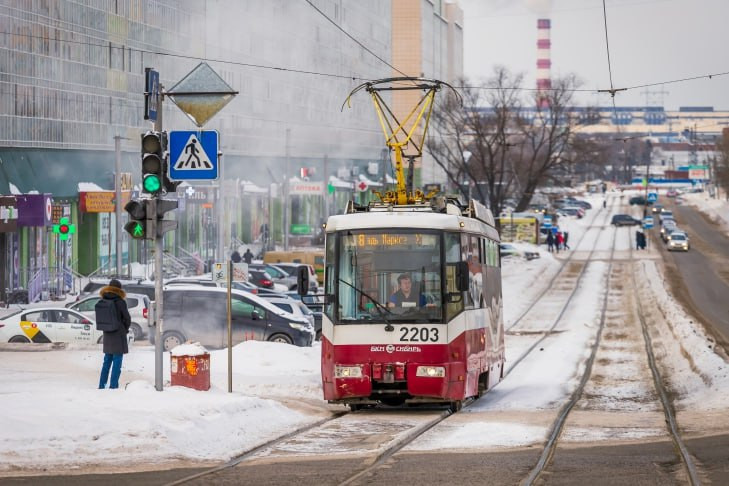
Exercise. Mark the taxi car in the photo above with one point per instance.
(50, 325)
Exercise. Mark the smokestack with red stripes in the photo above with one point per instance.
(544, 62)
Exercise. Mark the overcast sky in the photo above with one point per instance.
(650, 41)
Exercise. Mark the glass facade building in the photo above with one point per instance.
(72, 78)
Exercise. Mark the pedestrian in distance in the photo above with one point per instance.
(638, 240)
(248, 256)
(559, 241)
(566, 237)
(604, 203)
(642, 240)
(550, 241)
(112, 317)
(235, 257)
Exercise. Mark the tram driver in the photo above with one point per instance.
(404, 296)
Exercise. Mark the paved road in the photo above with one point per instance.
(703, 271)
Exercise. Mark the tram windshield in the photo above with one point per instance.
(389, 277)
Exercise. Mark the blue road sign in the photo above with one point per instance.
(193, 155)
(648, 222)
(652, 196)
(151, 93)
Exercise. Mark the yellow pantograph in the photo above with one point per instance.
(399, 134)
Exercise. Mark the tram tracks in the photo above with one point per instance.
(374, 460)
(559, 272)
(661, 393)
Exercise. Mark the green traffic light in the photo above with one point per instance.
(138, 230)
(152, 184)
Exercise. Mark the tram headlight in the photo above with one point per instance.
(430, 371)
(347, 372)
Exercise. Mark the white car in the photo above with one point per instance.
(294, 307)
(50, 325)
(678, 240)
(137, 304)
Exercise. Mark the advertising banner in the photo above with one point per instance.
(519, 229)
(305, 188)
(101, 201)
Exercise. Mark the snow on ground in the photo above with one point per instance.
(54, 417)
(716, 209)
(703, 383)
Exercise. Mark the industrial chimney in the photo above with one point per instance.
(544, 61)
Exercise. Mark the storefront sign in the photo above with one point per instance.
(101, 201)
(306, 188)
(34, 209)
(8, 214)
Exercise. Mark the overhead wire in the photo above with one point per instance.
(353, 38)
(354, 78)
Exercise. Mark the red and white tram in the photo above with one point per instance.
(438, 338)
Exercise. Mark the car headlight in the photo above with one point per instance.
(299, 326)
(430, 371)
(347, 371)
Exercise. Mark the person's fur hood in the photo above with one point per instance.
(112, 290)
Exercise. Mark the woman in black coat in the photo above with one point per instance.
(115, 342)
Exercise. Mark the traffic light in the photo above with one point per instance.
(64, 229)
(142, 223)
(146, 218)
(154, 146)
(165, 225)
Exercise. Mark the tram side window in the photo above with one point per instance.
(329, 282)
(454, 299)
(471, 255)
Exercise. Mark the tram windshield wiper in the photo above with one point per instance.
(378, 306)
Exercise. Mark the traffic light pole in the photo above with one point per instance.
(158, 291)
(117, 203)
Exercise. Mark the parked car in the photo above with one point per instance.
(678, 240)
(138, 305)
(295, 307)
(572, 211)
(671, 193)
(278, 275)
(200, 314)
(51, 325)
(206, 282)
(260, 278)
(315, 305)
(292, 268)
(624, 220)
(131, 286)
(640, 200)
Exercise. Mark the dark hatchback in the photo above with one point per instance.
(624, 220)
(199, 314)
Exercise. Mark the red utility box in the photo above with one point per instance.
(191, 370)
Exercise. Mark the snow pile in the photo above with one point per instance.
(189, 349)
(89, 187)
(716, 209)
(702, 382)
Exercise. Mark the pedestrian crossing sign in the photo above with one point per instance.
(193, 155)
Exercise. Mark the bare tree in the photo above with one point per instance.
(547, 135)
(472, 144)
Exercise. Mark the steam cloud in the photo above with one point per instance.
(541, 7)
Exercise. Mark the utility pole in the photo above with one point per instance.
(326, 187)
(117, 202)
(158, 291)
(286, 203)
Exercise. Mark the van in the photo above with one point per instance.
(200, 314)
(313, 257)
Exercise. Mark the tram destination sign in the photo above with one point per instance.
(390, 240)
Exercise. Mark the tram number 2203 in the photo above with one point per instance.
(419, 334)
